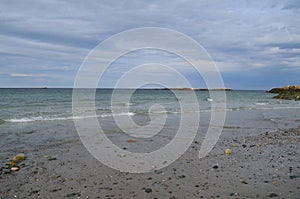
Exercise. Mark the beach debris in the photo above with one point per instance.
(15, 168)
(14, 164)
(19, 157)
(228, 151)
(130, 140)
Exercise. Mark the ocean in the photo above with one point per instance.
(31, 118)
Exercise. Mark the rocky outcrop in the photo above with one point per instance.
(287, 92)
(198, 89)
(285, 89)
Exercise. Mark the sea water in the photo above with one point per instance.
(31, 118)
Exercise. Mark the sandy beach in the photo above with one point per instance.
(149, 99)
(260, 166)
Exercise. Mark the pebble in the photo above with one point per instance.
(52, 158)
(182, 176)
(122, 155)
(215, 166)
(15, 168)
(71, 195)
(6, 170)
(148, 190)
(228, 151)
(273, 195)
(294, 176)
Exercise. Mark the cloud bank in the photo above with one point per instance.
(255, 44)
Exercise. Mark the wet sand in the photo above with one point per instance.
(260, 166)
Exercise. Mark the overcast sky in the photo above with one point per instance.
(255, 44)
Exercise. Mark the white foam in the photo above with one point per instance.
(40, 118)
(261, 103)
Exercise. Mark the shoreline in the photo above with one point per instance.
(261, 166)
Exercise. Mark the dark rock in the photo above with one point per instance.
(287, 92)
(266, 133)
(71, 194)
(29, 132)
(148, 190)
(182, 176)
(6, 170)
(55, 190)
(272, 195)
(33, 192)
(244, 182)
(215, 166)
(284, 89)
(52, 158)
(294, 177)
(158, 172)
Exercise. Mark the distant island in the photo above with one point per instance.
(287, 92)
(197, 89)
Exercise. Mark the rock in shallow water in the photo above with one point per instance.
(287, 92)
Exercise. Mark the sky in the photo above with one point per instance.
(254, 44)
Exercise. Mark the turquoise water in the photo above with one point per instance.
(31, 117)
